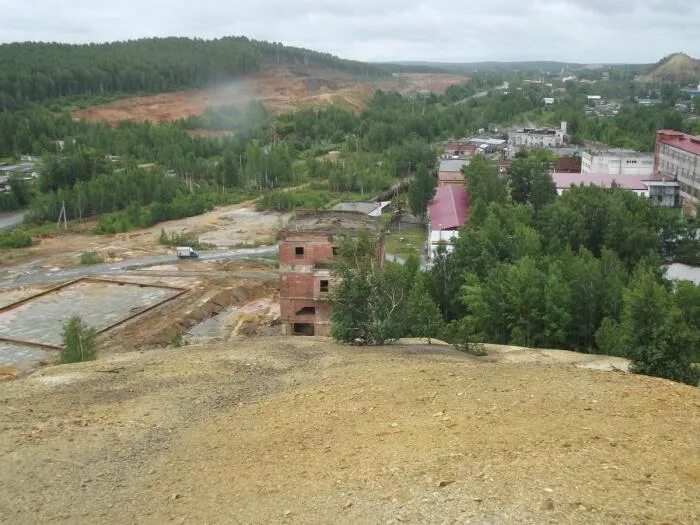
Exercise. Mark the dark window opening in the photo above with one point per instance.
(335, 250)
(324, 285)
(299, 251)
(303, 329)
(307, 310)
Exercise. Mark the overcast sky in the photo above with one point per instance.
(384, 30)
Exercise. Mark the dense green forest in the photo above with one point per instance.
(377, 148)
(262, 155)
(579, 272)
(38, 71)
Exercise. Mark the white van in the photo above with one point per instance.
(185, 252)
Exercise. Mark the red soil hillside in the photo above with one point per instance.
(278, 88)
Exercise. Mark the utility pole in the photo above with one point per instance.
(62, 214)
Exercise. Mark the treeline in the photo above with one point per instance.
(580, 272)
(633, 127)
(106, 192)
(32, 71)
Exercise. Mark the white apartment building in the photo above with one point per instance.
(617, 162)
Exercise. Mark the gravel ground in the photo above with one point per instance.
(299, 430)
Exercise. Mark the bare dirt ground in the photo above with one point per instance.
(223, 227)
(279, 89)
(299, 430)
(434, 82)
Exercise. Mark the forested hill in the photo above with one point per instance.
(37, 71)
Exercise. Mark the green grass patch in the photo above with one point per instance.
(15, 239)
(182, 239)
(405, 242)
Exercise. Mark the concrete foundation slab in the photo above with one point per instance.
(101, 304)
(13, 355)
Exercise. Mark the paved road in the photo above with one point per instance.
(35, 273)
(7, 220)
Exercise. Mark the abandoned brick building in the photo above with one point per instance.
(306, 250)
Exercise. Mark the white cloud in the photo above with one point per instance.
(568, 30)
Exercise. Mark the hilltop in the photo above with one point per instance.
(39, 71)
(34, 71)
(677, 68)
(301, 430)
(166, 79)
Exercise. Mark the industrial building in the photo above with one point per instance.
(635, 183)
(538, 137)
(459, 149)
(662, 192)
(307, 247)
(677, 159)
(617, 162)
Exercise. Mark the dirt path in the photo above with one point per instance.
(303, 431)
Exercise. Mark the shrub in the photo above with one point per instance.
(79, 341)
(15, 240)
(92, 257)
(177, 340)
(182, 239)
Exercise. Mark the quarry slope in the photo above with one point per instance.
(278, 88)
(300, 430)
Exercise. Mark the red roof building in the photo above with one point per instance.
(679, 140)
(449, 209)
(565, 181)
(459, 149)
(567, 165)
(677, 157)
(447, 212)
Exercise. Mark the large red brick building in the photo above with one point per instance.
(307, 247)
